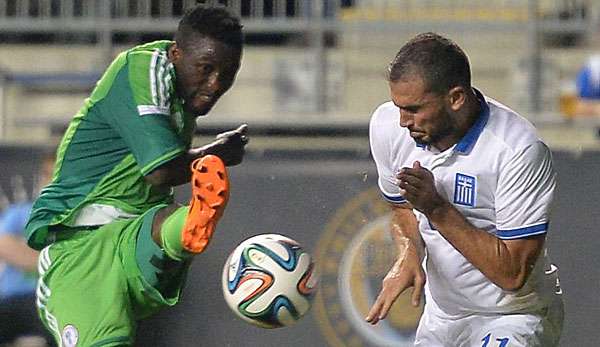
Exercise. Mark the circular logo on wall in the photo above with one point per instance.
(355, 252)
(70, 335)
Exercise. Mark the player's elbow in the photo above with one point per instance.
(157, 178)
(511, 286)
(512, 283)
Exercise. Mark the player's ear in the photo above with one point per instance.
(174, 52)
(457, 98)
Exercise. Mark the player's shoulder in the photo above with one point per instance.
(385, 132)
(508, 127)
(385, 123)
(384, 115)
(145, 53)
(386, 108)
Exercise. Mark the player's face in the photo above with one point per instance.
(205, 70)
(423, 113)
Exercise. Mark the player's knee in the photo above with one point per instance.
(159, 218)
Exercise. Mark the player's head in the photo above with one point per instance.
(429, 80)
(206, 55)
(440, 62)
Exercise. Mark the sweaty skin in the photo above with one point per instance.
(407, 270)
(402, 245)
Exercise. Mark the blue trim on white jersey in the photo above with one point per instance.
(473, 133)
(394, 199)
(518, 233)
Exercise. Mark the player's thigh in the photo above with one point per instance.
(82, 291)
(149, 296)
(514, 330)
(432, 331)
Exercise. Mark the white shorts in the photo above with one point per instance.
(491, 330)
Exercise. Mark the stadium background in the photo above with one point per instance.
(312, 73)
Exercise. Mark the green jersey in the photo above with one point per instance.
(132, 123)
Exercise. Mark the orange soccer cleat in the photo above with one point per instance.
(210, 193)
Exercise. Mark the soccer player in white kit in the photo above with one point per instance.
(471, 185)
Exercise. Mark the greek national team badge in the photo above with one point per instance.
(70, 335)
(464, 190)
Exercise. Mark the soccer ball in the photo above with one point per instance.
(269, 281)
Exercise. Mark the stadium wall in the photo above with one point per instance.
(327, 200)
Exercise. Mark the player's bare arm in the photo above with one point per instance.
(407, 270)
(229, 146)
(507, 263)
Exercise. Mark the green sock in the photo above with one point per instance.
(170, 234)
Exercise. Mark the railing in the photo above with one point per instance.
(154, 15)
(261, 15)
(105, 17)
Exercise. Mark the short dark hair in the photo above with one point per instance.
(213, 22)
(439, 61)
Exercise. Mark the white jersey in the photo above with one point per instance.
(500, 177)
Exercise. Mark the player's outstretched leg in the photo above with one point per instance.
(169, 236)
(185, 231)
(210, 193)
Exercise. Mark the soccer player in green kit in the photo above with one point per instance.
(115, 247)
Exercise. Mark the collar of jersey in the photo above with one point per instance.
(467, 142)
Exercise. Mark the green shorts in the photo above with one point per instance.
(91, 290)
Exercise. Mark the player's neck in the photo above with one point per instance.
(472, 112)
(463, 121)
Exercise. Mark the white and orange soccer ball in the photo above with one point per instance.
(269, 281)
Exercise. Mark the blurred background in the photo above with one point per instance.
(312, 73)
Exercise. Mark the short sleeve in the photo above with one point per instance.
(138, 108)
(525, 192)
(151, 78)
(381, 150)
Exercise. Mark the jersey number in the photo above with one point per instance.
(486, 341)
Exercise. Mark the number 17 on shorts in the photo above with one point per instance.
(489, 341)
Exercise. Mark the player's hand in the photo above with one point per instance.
(419, 189)
(405, 273)
(229, 145)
